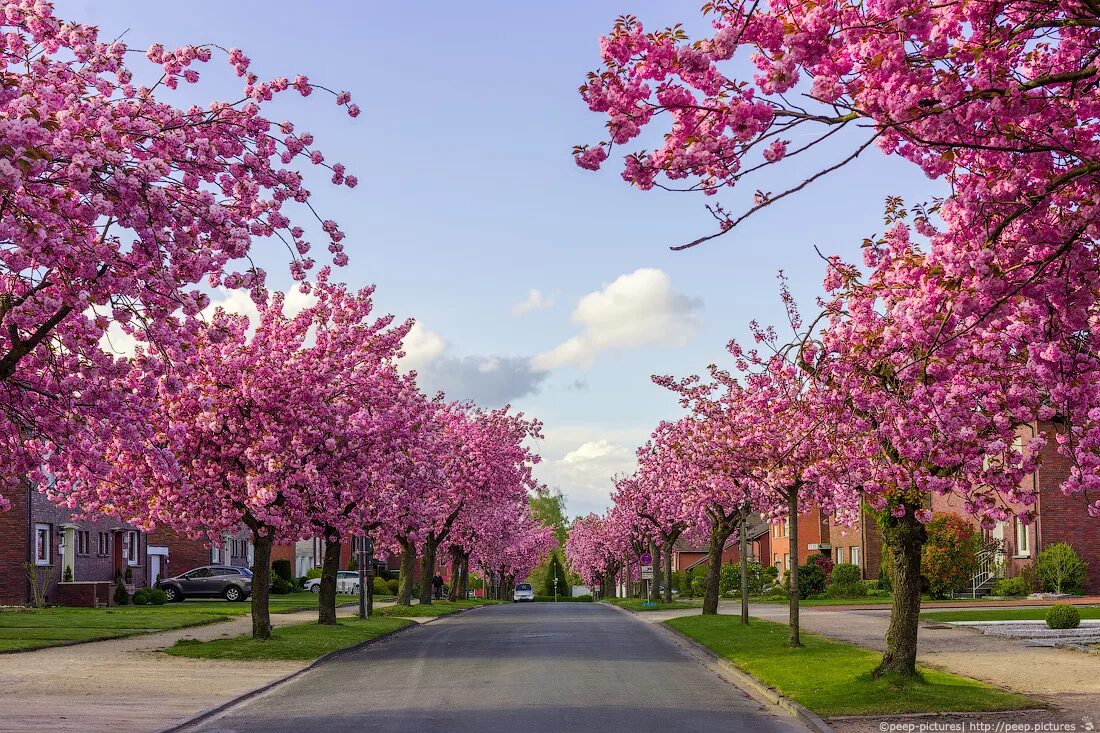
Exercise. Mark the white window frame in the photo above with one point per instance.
(839, 555)
(42, 545)
(787, 560)
(133, 546)
(854, 553)
(1023, 549)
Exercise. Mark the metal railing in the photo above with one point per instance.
(987, 567)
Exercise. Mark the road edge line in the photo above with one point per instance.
(209, 713)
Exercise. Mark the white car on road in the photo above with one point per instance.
(523, 592)
(347, 582)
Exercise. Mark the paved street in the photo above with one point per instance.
(536, 667)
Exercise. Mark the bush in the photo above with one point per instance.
(281, 568)
(280, 586)
(301, 582)
(758, 576)
(1062, 569)
(67, 576)
(1009, 587)
(141, 597)
(699, 585)
(380, 587)
(950, 555)
(1063, 616)
(392, 585)
(564, 599)
(845, 582)
(129, 574)
(811, 579)
(313, 573)
(677, 580)
(687, 579)
(121, 596)
(776, 591)
(157, 597)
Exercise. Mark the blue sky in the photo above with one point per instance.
(469, 199)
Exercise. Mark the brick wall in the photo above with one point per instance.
(183, 553)
(14, 544)
(1065, 518)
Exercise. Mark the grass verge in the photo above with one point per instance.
(833, 678)
(436, 608)
(1027, 613)
(636, 604)
(295, 642)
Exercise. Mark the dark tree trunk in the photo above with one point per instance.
(668, 570)
(720, 530)
(465, 576)
(405, 582)
(655, 584)
(744, 571)
(456, 563)
(261, 584)
(905, 537)
(792, 514)
(427, 569)
(326, 599)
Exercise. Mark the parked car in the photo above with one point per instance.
(209, 581)
(523, 592)
(347, 582)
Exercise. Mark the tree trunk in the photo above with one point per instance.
(427, 569)
(744, 571)
(905, 536)
(261, 584)
(465, 576)
(456, 562)
(655, 584)
(668, 572)
(326, 599)
(720, 530)
(792, 515)
(405, 582)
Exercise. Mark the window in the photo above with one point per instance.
(786, 528)
(133, 544)
(214, 554)
(103, 547)
(41, 544)
(839, 555)
(83, 545)
(855, 556)
(1023, 541)
(775, 561)
(787, 560)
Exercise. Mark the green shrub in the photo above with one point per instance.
(758, 576)
(67, 576)
(157, 597)
(811, 579)
(380, 587)
(313, 573)
(687, 579)
(950, 555)
(699, 585)
(280, 586)
(1009, 587)
(301, 582)
(121, 596)
(555, 571)
(141, 597)
(1062, 569)
(777, 591)
(677, 581)
(1063, 616)
(129, 574)
(844, 573)
(281, 569)
(564, 599)
(845, 582)
(392, 585)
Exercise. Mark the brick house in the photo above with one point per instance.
(97, 550)
(686, 556)
(1060, 518)
(859, 544)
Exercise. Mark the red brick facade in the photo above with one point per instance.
(14, 544)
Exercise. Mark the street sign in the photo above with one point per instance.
(646, 559)
(647, 572)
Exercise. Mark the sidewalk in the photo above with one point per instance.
(127, 684)
(1064, 679)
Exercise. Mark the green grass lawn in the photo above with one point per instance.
(834, 678)
(34, 629)
(24, 630)
(297, 641)
(1027, 613)
(866, 600)
(437, 608)
(635, 604)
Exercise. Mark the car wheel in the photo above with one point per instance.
(172, 595)
(315, 588)
(232, 593)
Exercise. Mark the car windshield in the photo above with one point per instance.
(245, 572)
(523, 586)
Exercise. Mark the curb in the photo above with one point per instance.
(209, 713)
(1076, 648)
(745, 681)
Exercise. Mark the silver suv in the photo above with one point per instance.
(209, 581)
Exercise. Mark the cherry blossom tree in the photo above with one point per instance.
(114, 204)
(250, 429)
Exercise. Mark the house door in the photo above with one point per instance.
(154, 569)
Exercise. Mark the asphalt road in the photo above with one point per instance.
(529, 668)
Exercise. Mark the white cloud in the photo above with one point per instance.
(535, 301)
(582, 460)
(636, 310)
(491, 381)
(240, 302)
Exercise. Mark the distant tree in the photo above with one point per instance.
(555, 570)
(548, 508)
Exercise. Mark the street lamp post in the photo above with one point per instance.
(366, 576)
(555, 590)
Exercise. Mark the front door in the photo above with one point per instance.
(154, 569)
